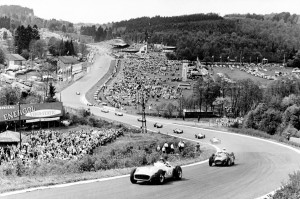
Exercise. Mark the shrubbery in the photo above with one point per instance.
(290, 190)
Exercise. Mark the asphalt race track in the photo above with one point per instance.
(260, 166)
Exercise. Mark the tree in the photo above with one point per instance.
(271, 119)
(25, 54)
(64, 29)
(38, 48)
(83, 49)
(2, 56)
(51, 94)
(9, 95)
(4, 35)
(292, 116)
(170, 109)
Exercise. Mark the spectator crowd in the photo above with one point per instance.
(46, 145)
(151, 74)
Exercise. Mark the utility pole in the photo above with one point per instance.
(144, 126)
(20, 125)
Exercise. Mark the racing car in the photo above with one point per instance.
(141, 119)
(104, 110)
(156, 173)
(157, 125)
(200, 136)
(119, 113)
(222, 158)
(215, 141)
(178, 131)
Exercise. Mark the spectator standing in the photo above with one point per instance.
(166, 146)
(158, 148)
(180, 146)
(163, 149)
(197, 147)
(172, 150)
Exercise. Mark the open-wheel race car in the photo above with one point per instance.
(215, 141)
(140, 119)
(178, 131)
(200, 136)
(104, 110)
(156, 173)
(119, 113)
(222, 158)
(158, 125)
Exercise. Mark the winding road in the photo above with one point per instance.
(261, 166)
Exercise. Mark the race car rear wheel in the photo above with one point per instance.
(177, 173)
(161, 177)
(132, 180)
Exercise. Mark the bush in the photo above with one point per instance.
(20, 169)
(8, 170)
(87, 163)
(290, 190)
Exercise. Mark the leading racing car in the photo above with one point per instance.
(222, 158)
(156, 173)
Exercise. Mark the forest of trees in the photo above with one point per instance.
(99, 34)
(248, 37)
(5, 22)
(274, 109)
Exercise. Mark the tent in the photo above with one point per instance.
(10, 137)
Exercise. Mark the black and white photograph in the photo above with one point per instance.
(136, 99)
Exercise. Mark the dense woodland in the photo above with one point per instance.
(242, 38)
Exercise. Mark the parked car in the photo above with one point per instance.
(77, 93)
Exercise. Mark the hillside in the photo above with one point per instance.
(214, 38)
(12, 16)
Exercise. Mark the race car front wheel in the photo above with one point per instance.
(161, 177)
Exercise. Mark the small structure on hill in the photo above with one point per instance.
(14, 59)
(68, 66)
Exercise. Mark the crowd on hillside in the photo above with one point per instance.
(46, 145)
(151, 73)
